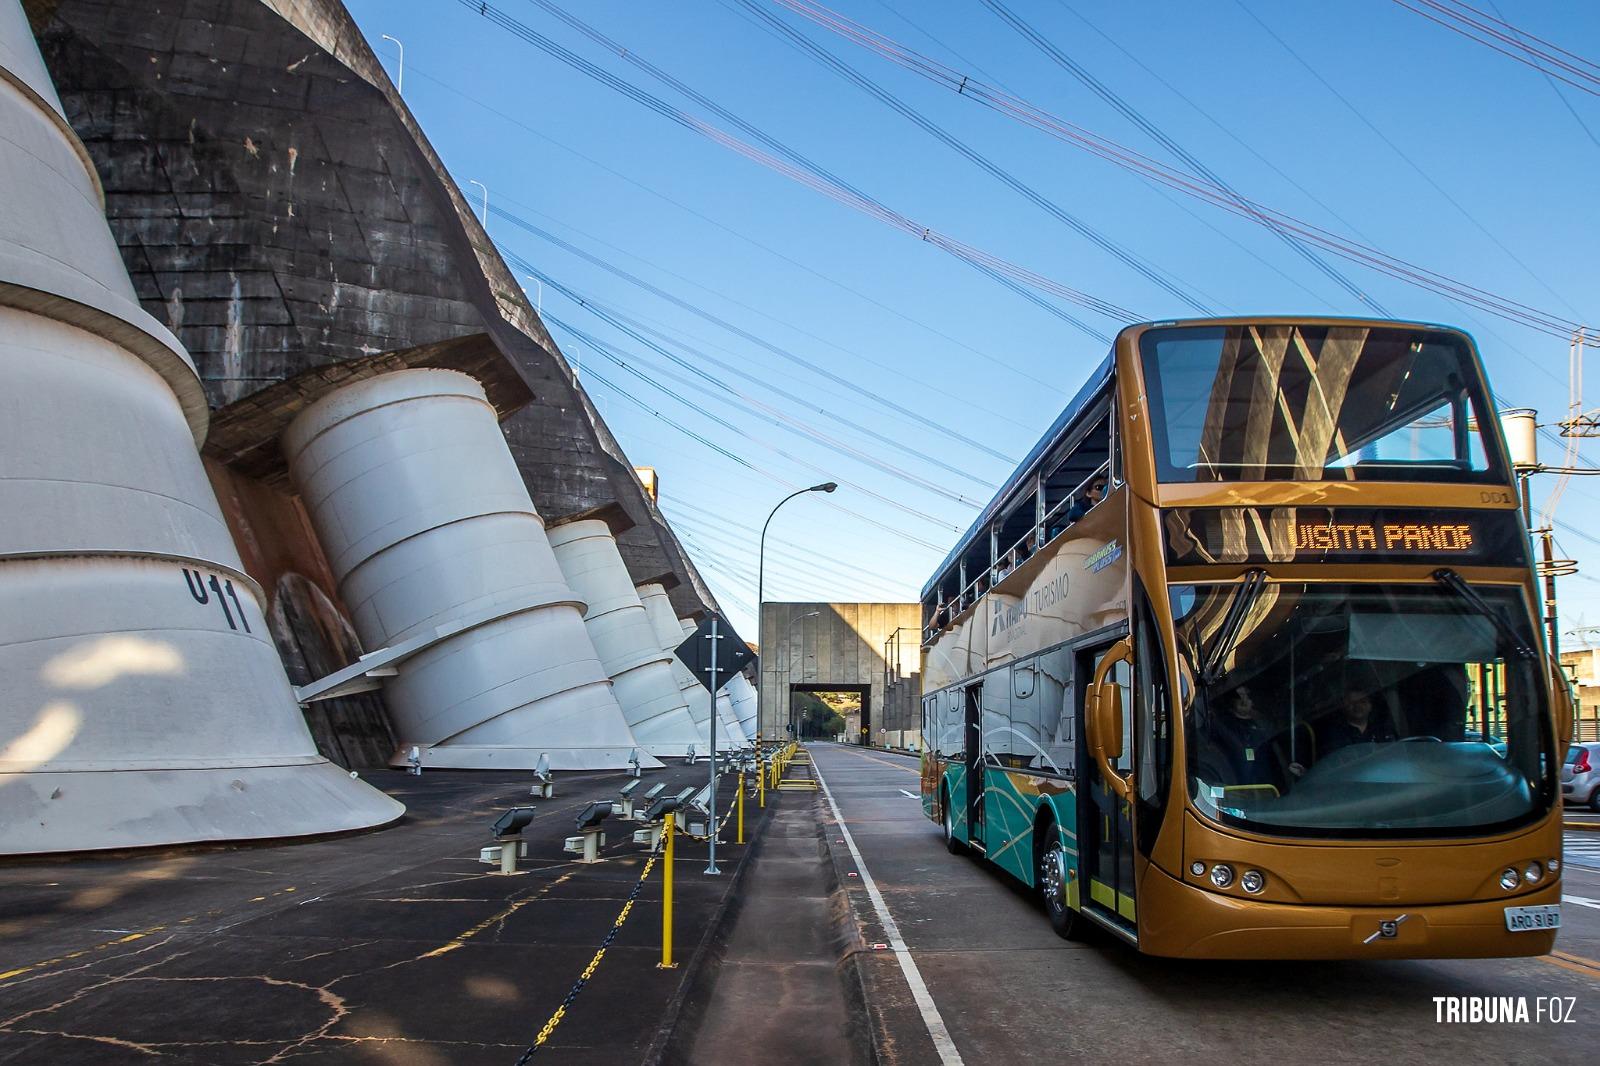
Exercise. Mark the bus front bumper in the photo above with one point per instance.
(1182, 921)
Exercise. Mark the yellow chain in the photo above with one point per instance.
(594, 963)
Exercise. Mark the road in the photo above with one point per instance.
(1004, 986)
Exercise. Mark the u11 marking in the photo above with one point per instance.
(197, 584)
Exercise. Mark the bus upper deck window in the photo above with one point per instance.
(1276, 402)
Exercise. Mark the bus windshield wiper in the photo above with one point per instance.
(1465, 592)
(1243, 600)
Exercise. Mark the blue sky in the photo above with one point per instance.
(1361, 117)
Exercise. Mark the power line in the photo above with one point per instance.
(1579, 73)
(623, 362)
(1015, 284)
(1405, 157)
(638, 370)
(750, 536)
(1024, 112)
(746, 238)
(844, 70)
(1132, 114)
(743, 334)
(1009, 274)
(797, 566)
(745, 463)
(613, 316)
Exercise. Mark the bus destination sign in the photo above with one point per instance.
(1201, 535)
(1445, 538)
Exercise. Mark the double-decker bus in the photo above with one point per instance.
(1244, 660)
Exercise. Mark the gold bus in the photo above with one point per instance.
(1244, 660)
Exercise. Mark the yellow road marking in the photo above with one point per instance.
(892, 766)
(1587, 971)
(499, 916)
(1587, 965)
(127, 939)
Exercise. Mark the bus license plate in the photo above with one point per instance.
(1526, 919)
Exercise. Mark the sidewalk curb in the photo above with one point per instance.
(849, 944)
(870, 996)
(700, 969)
(1584, 827)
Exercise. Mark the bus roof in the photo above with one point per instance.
(1057, 430)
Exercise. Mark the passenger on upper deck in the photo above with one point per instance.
(1091, 496)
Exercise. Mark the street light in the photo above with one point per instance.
(485, 188)
(761, 585)
(400, 75)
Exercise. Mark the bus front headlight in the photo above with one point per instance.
(1533, 873)
(1222, 875)
(1510, 878)
(1253, 881)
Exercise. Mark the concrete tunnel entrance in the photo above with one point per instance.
(824, 711)
(826, 663)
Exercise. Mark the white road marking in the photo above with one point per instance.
(1582, 901)
(1581, 849)
(937, 1032)
(909, 795)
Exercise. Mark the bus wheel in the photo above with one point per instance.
(1052, 879)
(951, 844)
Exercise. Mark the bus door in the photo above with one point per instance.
(1105, 821)
(974, 750)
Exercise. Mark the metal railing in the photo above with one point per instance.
(1038, 535)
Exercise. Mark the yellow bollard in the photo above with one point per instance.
(666, 900)
(740, 817)
(761, 784)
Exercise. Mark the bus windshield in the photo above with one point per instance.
(1275, 402)
(1362, 710)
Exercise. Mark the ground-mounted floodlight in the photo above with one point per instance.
(414, 761)
(544, 782)
(624, 805)
(508, 830)
(643, 802)
(689, 756)
(633, 763)
(695, 819)
(655, 818)
(661, 808)
(587, 844)
(511, 823)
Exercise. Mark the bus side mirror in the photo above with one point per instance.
(1109, 723)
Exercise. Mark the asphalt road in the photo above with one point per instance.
(1004, 987)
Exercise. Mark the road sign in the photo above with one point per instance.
(731, 653)
(714, 653)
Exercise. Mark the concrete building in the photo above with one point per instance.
(1582, 666)
(298, 269)
(869, 649)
